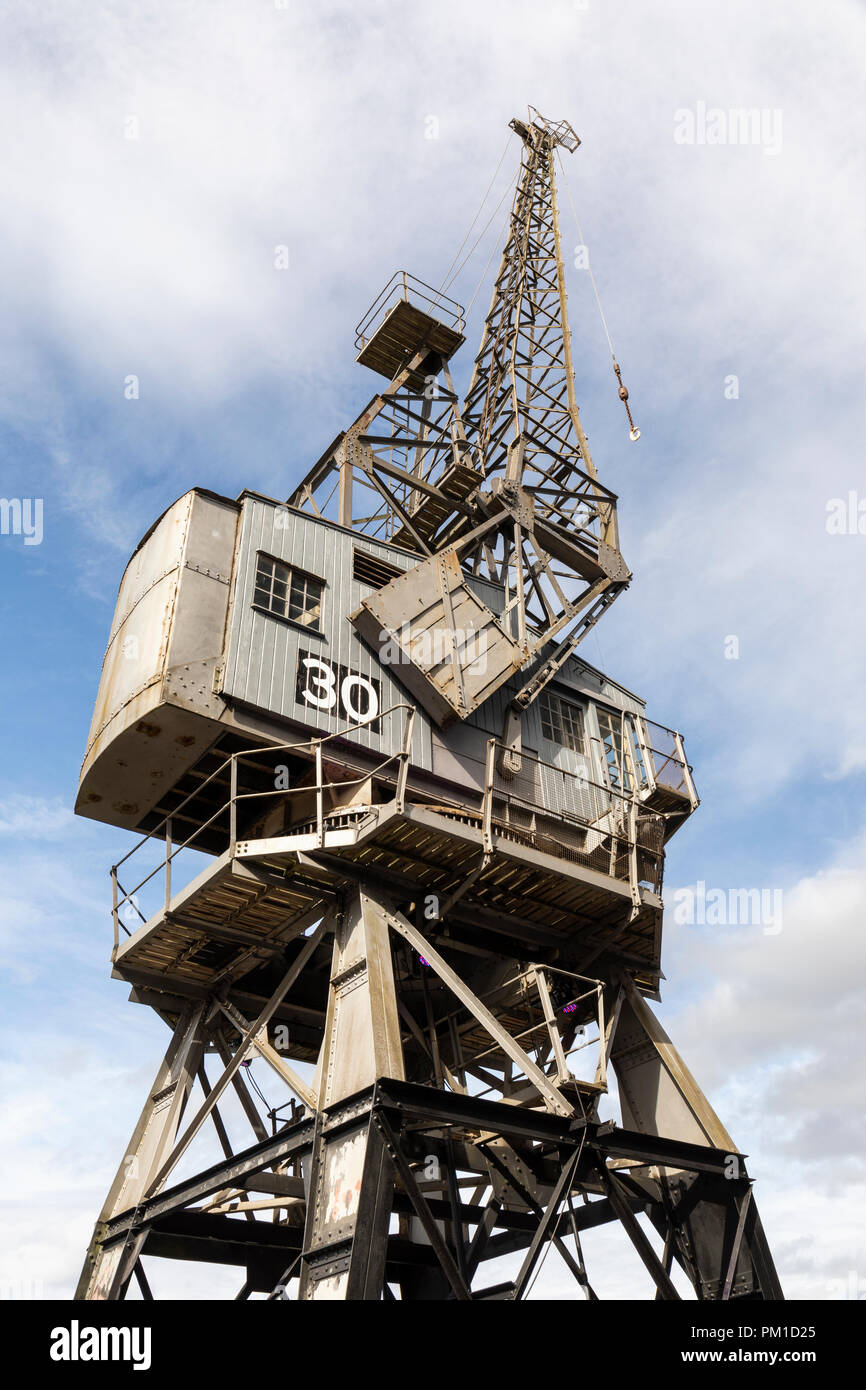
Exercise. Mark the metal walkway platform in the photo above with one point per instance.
(248, 905)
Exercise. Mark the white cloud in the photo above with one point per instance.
(34, 817)
(778, 999)
(771, 1026)
(306, 127)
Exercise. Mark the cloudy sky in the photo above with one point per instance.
(154, 157)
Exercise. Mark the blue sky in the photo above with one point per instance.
(307, 127)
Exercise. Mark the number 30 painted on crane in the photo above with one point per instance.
(325, 685)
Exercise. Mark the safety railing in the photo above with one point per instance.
(124, 902)
(564, 813)
(562, 1015)
(403, 286)
(664, 758)
(573, 816)
(562, 132)
(638, 752)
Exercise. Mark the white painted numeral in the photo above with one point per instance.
(326, 681)
(349, 685)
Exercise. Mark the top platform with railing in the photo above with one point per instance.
(559, 132)
(408, 317)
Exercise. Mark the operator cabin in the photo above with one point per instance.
(232, 631)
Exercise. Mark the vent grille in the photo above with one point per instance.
(369, 569)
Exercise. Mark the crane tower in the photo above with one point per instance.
(402, 846)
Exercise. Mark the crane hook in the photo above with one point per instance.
(634, 432)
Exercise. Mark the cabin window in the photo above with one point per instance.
(617, 753)
(562, 722)
(288, 592)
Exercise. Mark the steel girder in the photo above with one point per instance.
(569, 1159)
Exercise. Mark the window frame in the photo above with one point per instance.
(617, 750)
(291, 572)
(562, 724)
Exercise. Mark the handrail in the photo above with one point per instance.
(657, 761)
(579, 777)
(557, 1070)
(248, 753)
(613, 814)
(402, 280)
(314, 745)
(622, 808)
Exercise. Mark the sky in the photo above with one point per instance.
(156, 158)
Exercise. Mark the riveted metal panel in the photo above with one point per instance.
(455, 651)
(138, 643)
(156, 710)
(264, 650)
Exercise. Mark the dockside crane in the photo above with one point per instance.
(435, 835)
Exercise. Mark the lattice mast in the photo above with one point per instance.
(503, 490)
(521, 414)
(523, 385)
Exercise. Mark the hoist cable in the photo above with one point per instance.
(445, 280)
(589, 259)
(634, 432)
(493, 250)
(255, 1086)
(474, 248)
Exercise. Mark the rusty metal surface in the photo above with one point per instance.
(155, 709)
